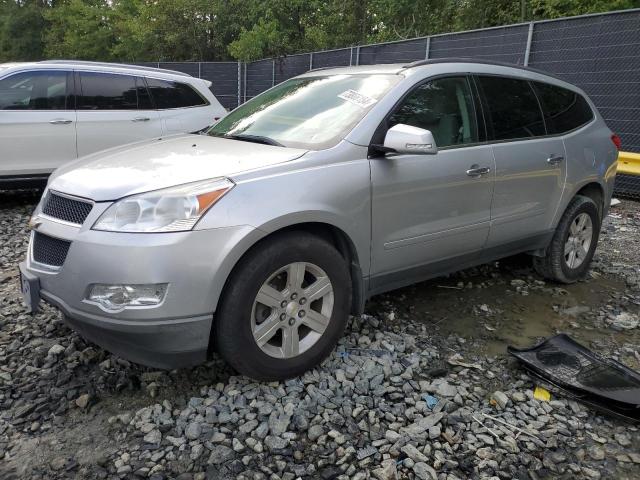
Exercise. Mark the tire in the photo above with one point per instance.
(241, 313)
(557, 266)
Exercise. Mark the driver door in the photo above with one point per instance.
(429, 213)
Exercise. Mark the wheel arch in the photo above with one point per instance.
(330, 232)
(595, 192)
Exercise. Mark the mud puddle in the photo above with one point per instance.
(504, 304)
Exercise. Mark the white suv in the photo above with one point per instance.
(55, 111)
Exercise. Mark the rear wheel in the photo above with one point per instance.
(284, 308)
(571, 250)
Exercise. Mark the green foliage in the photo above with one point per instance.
(566, 8)
(21, 28)
(80, 29)
(201, 30)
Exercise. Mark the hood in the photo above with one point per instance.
(161, 163)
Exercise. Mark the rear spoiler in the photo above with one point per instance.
(206, 82)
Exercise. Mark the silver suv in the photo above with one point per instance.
(258, 238)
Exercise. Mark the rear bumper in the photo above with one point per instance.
(161, 343)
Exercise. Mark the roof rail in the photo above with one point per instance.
(115, 65)
(436, 61)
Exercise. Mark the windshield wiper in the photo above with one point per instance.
(251, 138)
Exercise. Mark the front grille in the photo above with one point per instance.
(48, 250)
(67, 209)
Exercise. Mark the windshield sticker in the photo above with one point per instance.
(357, 98)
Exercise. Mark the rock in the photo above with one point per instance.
(500, 399)
(424, 471)
(237, 445)
(414, 454)
(596, 452)
(424, 424)
(193, 431)
(83, 400)
(315, 432)
(634, 457)
(386, 471)
(249, 426)
(220, 454)
(518, 397)
(623, 439)
(55, 350)
(154, 437)
(625, 321)
(392, 436)
(275, 443)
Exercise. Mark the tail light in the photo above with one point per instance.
(215, 119)
(616, 141)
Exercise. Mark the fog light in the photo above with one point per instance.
(114, 298)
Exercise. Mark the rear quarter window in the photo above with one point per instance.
(167, 94)
(564, 110)
(514, 111)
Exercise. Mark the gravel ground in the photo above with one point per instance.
(419, 387)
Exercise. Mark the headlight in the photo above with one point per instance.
(174, 209)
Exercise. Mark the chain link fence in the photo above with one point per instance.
(599, 53)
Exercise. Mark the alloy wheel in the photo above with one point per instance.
(292, 310)
(576, 247)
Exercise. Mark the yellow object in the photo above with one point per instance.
(629, 163)
(541, 394)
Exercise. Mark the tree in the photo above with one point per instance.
(542, 9)
(80, 30)
(21, 29)
(204, 30)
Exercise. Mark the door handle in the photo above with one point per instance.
(555, 159)
(141, 119)
(60, 121)
(477, 171)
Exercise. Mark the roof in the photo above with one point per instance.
(391, 69)
(396, 68)
(112, 67)
(437, 61)
(123, 66)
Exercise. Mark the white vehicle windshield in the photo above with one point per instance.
(313, 113)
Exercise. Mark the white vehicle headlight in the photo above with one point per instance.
(174, 209)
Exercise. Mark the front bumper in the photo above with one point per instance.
(164, 343)
(173, 334)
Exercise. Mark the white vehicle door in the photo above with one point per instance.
(113, 109)
(181, 107)
(37, 122)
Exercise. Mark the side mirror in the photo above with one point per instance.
(407, 139)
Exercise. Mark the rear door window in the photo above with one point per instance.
(563, 109)
(167, 94)
(445, 107)
(38, 90)
(514, 111)
(106, 91)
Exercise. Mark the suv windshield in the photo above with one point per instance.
(313, 113)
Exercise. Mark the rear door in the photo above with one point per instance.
(182, 108)
(113, 109)
(530, 164)
(37, 122)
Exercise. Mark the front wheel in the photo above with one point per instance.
(284, 308)
(574, 242)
